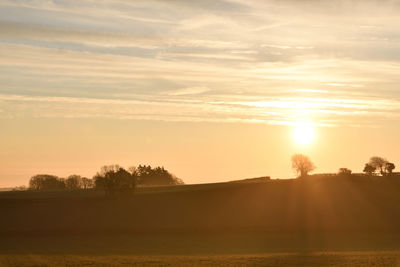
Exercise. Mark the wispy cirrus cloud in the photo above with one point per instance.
(189, 91)
(252, 61)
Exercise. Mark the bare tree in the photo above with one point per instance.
(302, 165)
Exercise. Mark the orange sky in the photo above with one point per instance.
(198, 152)
(209, 89)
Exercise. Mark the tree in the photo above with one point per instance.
(146, 175)
(44, 182)
(114, 179)
(87, 183)
(73, 182)
(344, 171)
(369, 169)
(389, 167)
(302, 165)
(379, 163)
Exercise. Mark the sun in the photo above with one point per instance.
(303, 133)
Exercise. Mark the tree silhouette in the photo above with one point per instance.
(44, 182)
(146, 175)
(302, 165)
(379, 163)
(369, 169)
(389, 167)
(344, 171)
(73, 182)
(114, 179)
(87, 183)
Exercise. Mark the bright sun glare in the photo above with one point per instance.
(303, 133)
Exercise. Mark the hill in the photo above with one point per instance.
(253, 180)
(275, 214)
(6, 189)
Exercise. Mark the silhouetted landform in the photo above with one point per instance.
(392, 176)
(319, 212)
(353, 203)
(252, 180)
(6, 189)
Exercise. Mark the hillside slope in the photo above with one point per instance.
(318, 205)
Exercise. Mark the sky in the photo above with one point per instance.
(209, 89)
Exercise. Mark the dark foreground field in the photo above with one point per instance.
(322, 222)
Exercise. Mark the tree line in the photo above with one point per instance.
(112, 179)
(42, 182)
(302, 165)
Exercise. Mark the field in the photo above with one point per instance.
(321, 222)
(342, 259)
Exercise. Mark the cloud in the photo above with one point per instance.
(311, 91)
(24, 31)
(190, 91)
(246, 61)
(284, 111)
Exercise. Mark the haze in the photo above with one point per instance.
(210, 90)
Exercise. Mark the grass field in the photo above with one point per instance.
(341, 259)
